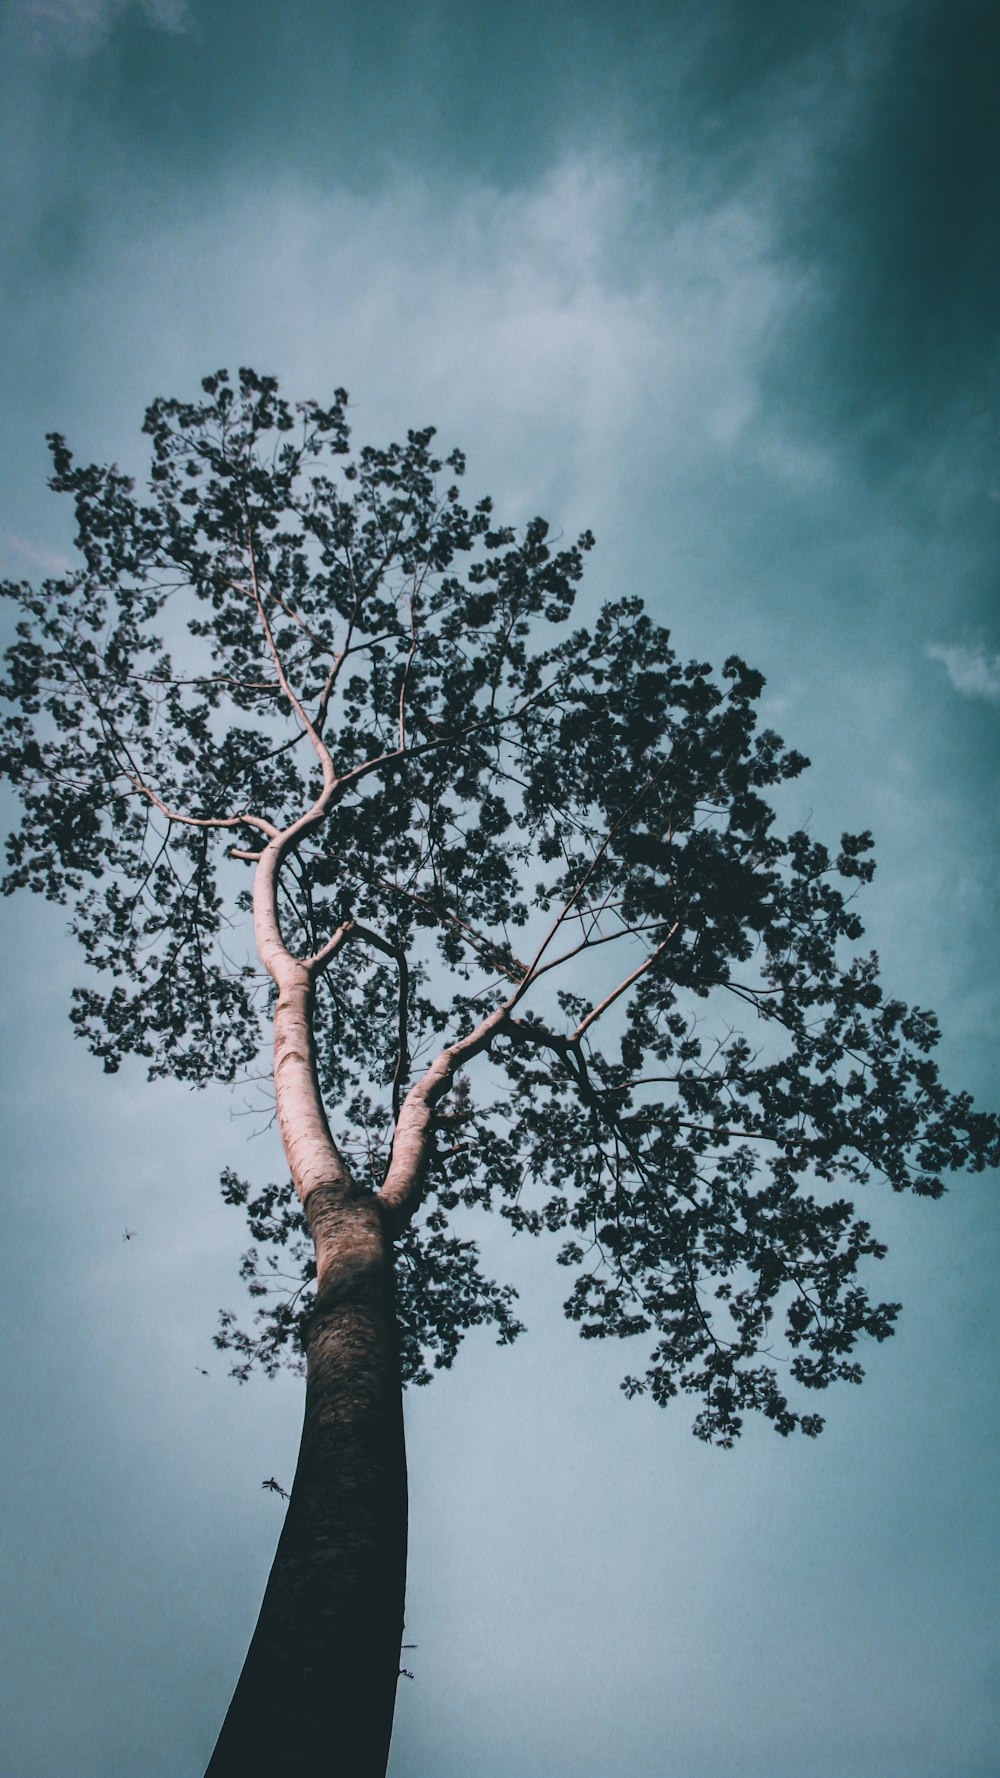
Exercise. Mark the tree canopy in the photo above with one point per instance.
(537, 873)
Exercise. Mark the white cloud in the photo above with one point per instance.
(576, 342)
(971, 670)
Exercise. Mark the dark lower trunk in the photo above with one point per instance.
(318, 1686)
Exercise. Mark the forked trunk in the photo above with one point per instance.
(318, 1686)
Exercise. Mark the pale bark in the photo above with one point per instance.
(400, 1192)
(318, 1686)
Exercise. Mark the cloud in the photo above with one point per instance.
(583, 342)
(81, 25)
(972, 671)
(21, 551)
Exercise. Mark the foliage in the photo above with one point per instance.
(690, 1078)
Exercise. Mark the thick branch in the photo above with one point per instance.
(401, 1187)
(274, 953)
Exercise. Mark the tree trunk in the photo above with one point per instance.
(318, 1686)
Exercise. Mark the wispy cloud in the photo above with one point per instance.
(21, 553)
(569, 312)
(971, 670)
(81, 25)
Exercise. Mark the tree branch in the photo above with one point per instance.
(406, 672)
(319, 745)
(240, 819)
(507, 963)
(609, 999)
(490, 720)
(606, 938)
(353, 929)
(401, 1188)
(585, 878)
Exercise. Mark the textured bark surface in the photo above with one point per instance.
(318, 1686)
(312, 1155)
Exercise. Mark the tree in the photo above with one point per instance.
(525, 924)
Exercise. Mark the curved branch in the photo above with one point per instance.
(401, 1188)
(118, 744)
(239, 819)
(319, 745)
(274, 953)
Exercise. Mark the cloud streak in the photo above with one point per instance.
(82, 25)
(21, 552)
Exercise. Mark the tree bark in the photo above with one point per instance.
(318, 1686)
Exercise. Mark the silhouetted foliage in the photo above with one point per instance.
(547, 854)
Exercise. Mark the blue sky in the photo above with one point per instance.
(721, 282)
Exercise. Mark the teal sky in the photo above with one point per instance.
(722, 281)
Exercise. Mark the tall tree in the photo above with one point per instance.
(527, 928)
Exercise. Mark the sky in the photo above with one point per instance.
(721, 282)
